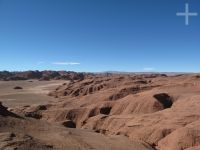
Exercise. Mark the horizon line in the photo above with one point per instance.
(114, 72)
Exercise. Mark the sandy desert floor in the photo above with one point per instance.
(33, 92)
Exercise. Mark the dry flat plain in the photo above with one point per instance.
(102, 112)
(32, 92)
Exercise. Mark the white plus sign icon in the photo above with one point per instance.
(187, 14)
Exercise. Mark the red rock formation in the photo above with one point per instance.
(161, 111)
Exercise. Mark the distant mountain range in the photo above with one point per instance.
(67, 75)
(42, 75)
(124, 72)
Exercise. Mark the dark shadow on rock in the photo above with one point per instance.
(105, 110)
(17, 88)
(69, 124)
(5, 113)
(164, 99)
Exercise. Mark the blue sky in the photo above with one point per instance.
(99, 35)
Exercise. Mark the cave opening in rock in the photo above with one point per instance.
(164, 99)
(69, 124)
(105, 110)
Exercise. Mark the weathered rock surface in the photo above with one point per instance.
(162, 111)
(159, 110)
(21, 133)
